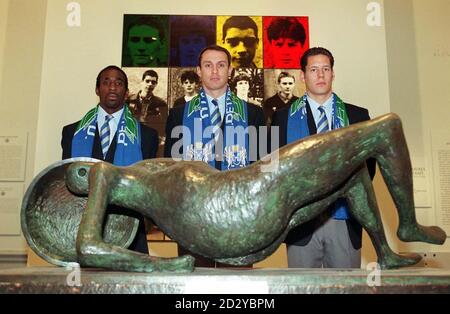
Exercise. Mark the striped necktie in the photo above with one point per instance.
(105, 135)
(322, 125)
(215, 119)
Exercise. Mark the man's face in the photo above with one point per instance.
(287, 85)
(318, 76)
(242, 44)
(286, 53)
(148, 84)
(112, 91)
(189, 48)
(144, 44)
(214, 71)
(189, 87)
(242, 87)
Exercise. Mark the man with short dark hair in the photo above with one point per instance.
(109, 132)
(240, 38)
(145, 43)
(148, 108)
(332, 240)
(203, 129)
(189, 34)
(283, 98)
(189, 81)
(287, 38)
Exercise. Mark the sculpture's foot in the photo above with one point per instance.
(394, 260)
(432, 234)
(177, 264)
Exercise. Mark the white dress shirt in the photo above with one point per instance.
(328, 106)
(220, 101)
(113, 123)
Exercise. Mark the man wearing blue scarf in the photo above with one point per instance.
(215, 126)
(333, 240)
(109, 132)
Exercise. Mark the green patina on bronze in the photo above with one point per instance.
(51, 215)
(241, 216)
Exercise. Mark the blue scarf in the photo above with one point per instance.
(128, 149)
(198, 144)
(297, 128)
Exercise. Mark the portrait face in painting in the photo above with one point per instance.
(242, 88)
(189, 34)
(189, 87)
(286, 53)
(286, 42)
(240, 38)
(190, 46)
(148, 85)
(286, 85)
(144, 45)
(242, 44)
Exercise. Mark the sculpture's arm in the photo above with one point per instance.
(91, 249)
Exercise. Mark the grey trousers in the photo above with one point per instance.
(329, 247)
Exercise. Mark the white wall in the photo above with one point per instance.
(3, 22)
(21, 45)
(418, 54)
(432, 27)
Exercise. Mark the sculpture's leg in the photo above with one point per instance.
(93, 251)
(395, 167)
(337, 155)
(364, 208)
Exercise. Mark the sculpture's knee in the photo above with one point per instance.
(87, 252)
(77, 177)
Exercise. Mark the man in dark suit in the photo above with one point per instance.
(109, 132)
(333, 240)
(200, 130)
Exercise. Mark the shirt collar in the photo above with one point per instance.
(221, 102)
(101, 114)
(328, 105)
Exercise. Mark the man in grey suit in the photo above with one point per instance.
(333, 240)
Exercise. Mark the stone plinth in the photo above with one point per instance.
(234, 281)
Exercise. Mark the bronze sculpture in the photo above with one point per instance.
(241, 216)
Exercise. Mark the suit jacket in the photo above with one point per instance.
(274, 103)
(151, 111)
(302, 234)
(149, 146)
(255, 118)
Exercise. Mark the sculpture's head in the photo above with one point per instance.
(77, 177)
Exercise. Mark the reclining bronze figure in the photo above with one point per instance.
(241, 216)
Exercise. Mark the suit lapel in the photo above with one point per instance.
(111, 150)
(311, 123)
(96, 147)
(97, 152)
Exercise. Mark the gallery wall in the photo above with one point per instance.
(22, 25)
(418, 48)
